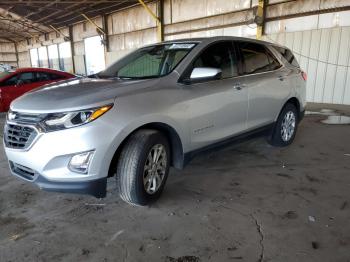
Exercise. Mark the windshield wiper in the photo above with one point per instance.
(138, 77)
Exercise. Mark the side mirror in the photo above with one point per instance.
(205, 73)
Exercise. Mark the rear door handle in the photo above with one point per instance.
(281, 78)
(239, 86)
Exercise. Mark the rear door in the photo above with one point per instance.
(43, 78)
(265, 80)
(218, 109)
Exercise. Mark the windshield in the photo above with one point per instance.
(149, 62)
(3, 74)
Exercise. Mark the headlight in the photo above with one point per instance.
(59, 121)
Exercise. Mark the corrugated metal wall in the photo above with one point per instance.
(8, 53)
(324, 54)
(130, 29)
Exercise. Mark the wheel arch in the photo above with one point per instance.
(294, 101)
(176, 148)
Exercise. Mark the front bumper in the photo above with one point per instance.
(96, 188)
(46, 161)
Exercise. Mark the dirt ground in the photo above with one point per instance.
(247, 202)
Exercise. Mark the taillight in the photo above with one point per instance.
(304, 75)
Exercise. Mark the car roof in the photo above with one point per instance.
(40, 69)
(217, 38)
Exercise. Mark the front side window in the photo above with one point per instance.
(27, 78)
(150, 62)
(256, 58)
(221, 56)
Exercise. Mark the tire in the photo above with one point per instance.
(132, 177)
(278, 136)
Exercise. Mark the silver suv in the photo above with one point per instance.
(153, 109)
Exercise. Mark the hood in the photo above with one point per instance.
(76, 94)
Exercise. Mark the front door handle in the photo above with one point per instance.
(281, 78)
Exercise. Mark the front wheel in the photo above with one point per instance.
(285, 128)
(143, 167)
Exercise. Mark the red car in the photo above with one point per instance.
(16, 83)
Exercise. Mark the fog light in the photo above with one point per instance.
(80, 162)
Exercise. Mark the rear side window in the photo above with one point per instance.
(42, 76)
(287, 55)
(256, 58)
(220, 55)
(27, 77)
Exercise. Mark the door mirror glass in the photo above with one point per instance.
(205, 73)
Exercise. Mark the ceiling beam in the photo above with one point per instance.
(31, 18)
(77, 13)
(24, 24)
(41, 9)
(29, 2)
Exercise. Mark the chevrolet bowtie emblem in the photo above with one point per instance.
(11, 116)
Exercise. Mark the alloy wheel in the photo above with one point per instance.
(155, 169)
(288, 126)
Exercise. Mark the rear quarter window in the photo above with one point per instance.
(287, 55)
(57, 77)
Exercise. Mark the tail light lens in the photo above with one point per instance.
(304, 75)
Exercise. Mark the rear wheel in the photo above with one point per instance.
(143, 167)
(285, 128)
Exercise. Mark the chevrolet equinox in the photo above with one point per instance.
(155, 108)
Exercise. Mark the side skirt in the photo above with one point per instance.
(261, 131)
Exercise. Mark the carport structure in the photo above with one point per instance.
(247, 202)
(53, 33)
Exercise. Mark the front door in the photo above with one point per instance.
(16, 86)
(218, 107)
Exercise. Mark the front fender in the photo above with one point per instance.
(146, 121)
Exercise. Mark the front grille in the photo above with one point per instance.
(18, 136)
(25, 118)
(22, 171)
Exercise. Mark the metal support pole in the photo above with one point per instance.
(260, 13)
(105, 28)
(16, 50)
(160, 33)
(160, 25)
(72, 46)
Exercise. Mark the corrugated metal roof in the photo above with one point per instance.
(20, 19)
